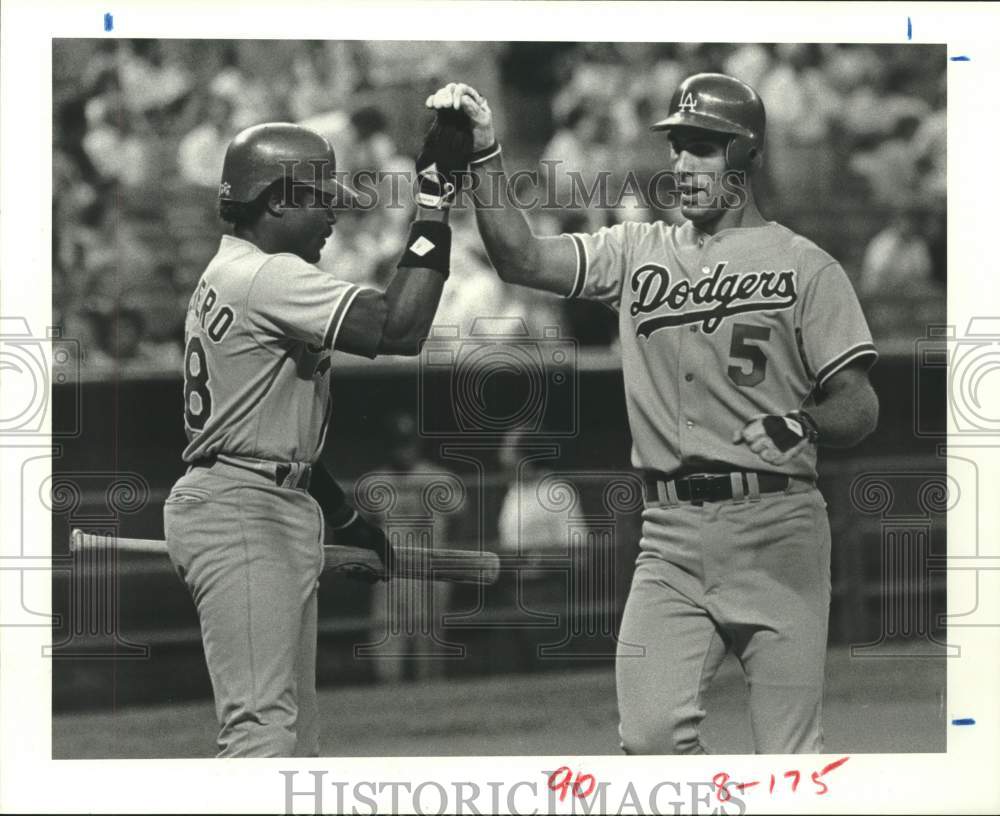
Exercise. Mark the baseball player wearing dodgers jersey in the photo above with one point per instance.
(245, 524)
(743, 346)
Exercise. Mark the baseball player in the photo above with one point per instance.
(245, 524)
(743, 348)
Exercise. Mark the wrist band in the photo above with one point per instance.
(435, 202)
(808, 424)
(484, 155)
(428, 247)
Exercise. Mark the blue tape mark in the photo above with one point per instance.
(961, 59)
(964, 721)
(909, 29)
(109, 22)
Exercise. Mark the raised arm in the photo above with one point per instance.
(397, 320)
(518, 255)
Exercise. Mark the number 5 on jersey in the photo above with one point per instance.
(197, 396)
(741, 349)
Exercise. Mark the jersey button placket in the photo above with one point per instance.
(689, 350)
(688, 401)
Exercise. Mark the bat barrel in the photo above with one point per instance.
(455, 566)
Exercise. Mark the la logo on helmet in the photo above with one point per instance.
(688, 103)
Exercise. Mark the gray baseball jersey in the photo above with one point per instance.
(258, 335)
(715, 329)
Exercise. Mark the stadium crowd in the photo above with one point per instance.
(855, 159)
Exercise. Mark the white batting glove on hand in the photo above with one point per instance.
(775, 439)
(459, 96)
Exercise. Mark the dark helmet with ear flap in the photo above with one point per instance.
(263, 154)
(723, 104)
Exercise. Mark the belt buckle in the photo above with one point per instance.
(698, 488)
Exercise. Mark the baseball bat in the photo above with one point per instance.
(451, 566)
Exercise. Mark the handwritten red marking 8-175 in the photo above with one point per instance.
(722, 781)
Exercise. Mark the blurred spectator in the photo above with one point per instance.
(367, 242)
(798, 98)
(533, 533)
(120, 149)
(121, 341)
(374, 150)
(799, 103)
(582, 149)
(81, 327)
(151, 78)
(531, 72)
(873, 107)
(164, 302)
(407, 614)
(525, 526)
(890, 168)
(475, 290)
(310, 82)
(104, 254)
(898, 259)
(252, 102)
(74, 200)
(751, 62)
(201, 151)
(361, 245)
(930, 153)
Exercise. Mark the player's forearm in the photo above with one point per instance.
(411, 302)
(330, 497)
(510, 244)
(846, 416)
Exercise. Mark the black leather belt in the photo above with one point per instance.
(283, 474)
(699, 488)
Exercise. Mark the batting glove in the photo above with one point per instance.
(358, 532)
(444, 155)
(778, 439)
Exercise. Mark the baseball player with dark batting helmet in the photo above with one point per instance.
(743, 348)
(245, 524)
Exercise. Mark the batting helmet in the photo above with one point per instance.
(722, 104)
(264, 154)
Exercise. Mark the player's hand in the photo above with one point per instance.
(458, 96)
(444, 155)
(775, 439)
(361, 533)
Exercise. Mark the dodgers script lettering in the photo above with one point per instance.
(723, 295)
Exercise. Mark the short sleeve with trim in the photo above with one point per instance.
(601, 260)
(834, 330)
(295, 299)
